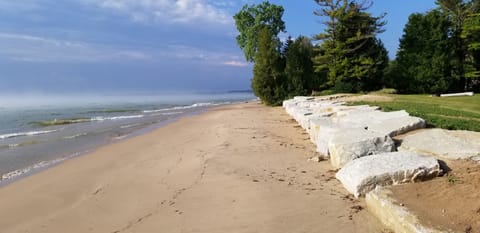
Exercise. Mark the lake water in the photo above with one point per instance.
(39, 131)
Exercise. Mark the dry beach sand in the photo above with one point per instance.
(237, 168)
(448, 203)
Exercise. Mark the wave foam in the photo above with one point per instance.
(195, 105)
(167, 114)
(99, 118)
(130, 125)
(22, 134)
(36, 166)
(83, 120)
(75, 136)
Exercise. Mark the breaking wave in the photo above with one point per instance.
(22, 134)
(196, 105)
(82, 120)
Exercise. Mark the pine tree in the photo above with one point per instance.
(471, 35)
(268, 81)
(327, 61)
(299, 67)
(350, 54)
(456, 12)
(440, 50)
(425, 54)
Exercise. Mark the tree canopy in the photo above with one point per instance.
(251, 20)
(471, 34)
(299, 67)
(267, 82)
(350, 54)
(424, 57)
(439, 50)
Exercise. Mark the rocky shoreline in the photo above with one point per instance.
(374, 149)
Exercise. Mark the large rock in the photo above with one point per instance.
(395, 216)
(370, 116)
(397, 126)
(362, 175)
(350, 144)
(303, 98)
(316, 125)
(321, 132)
(354, 110)
(390, 123)
(443, 143)
(300, 114)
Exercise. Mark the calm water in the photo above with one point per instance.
(36, 132)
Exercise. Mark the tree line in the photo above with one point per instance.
(439, 51)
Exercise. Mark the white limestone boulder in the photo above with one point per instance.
(299, 114)
(443, 144)
(359, 109)
(369, 117)
(390, 123)
(303, 98)
(350, 144)
(397, 126)
(327, 109)
(314, 125)
(305, 115)
(321, 131)
(382, 203)
(288, 103)
(362, 175)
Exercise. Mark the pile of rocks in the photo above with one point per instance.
(358, 140)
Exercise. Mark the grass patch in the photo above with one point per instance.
(384, 91)
(455, 113)
(325, 92)
(452, 179)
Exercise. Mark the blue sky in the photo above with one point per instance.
(85, 46)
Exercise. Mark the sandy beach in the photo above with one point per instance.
(236, 168)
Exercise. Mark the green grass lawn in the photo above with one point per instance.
(461, 113)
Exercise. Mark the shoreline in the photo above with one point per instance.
(19, 174)
(234, 168)
(33, 135)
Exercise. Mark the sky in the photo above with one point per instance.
(146, 46)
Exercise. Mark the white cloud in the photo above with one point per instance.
(236, 63)
(211, 57)
(41, 40)
(36, 49)
(168, 11)
(28, 48)
(19, 6)
(134, 55)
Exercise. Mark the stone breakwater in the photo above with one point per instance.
(358, 141)
(373, 150)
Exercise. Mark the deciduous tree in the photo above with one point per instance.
(251, 19)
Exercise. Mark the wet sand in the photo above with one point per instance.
(237, 168)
